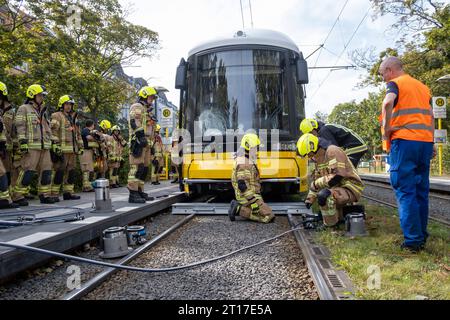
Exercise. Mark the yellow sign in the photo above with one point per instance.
(440, 107)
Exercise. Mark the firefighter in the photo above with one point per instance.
(353, 145)
(101, 162)
(141, 131)
(90, 144)
(245, 178)
(34, 136)
(5, 150)
(157, 153)
(66, 146)
(115, 155)
(335, 182)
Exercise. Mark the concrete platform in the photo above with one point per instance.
(62, 237)
(436, 185)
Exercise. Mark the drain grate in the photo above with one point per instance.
(325, 264)
(335, 281)
(318, 251)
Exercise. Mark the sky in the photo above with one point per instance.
(181, 25)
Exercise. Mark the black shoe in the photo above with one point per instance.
(174, 181)
(22, 203)
(114, 186)
(233, 211)
(135, 198)
(56, 199)
(69, 196)
(4, 204)
(145, 196)
(46, 200)
(30, 197)
(412, 248)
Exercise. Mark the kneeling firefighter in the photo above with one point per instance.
(245, 178)
(66, 146)
(34, 136)
(140, 154)
(335, 182)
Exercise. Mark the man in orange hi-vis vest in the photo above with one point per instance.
(408, 129)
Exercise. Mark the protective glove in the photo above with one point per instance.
(308, 204)
(140, 133)
(23, 146)
(80, 152)
(57, 150)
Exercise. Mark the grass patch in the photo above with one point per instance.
(404, 276)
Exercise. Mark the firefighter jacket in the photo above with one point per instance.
(246, 180)
(9, 127)
(65, 133)
(33, 126)
(116, 144)
(140, 115)
(343, 137)
(334, 169)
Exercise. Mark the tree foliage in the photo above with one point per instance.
(82, 59)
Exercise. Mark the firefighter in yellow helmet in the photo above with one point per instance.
(141, 135)
(245, 179)
(5, 150)
(335, 182)
(115, 155)
(66, 146)
(35, 141)
(352, 144)
(158, 159)
(101, 154)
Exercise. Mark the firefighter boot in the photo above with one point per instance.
(234, 210)
(69, 196)
(135, 197)
(46, 200)
(4, 204)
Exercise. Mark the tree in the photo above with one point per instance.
(363, 119)
(80, 59)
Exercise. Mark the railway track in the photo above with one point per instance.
(382, 193)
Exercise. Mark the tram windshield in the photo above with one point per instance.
(242, 90)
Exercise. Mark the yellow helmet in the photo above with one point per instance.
(115, 128)
(250, 141)
(65, 99)
(308, 125)
(146, 92)
(105, 125)
(307, 143)
(34, 90)
(3, 89)
(158, 128)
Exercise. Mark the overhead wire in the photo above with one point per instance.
(342, 53)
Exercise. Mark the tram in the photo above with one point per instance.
(250, 81)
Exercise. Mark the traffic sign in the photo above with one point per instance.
(440, 107)
(167, 118)
(440, 136)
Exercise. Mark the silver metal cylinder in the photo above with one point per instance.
(136, 235)
(115, 243)
(102, 196)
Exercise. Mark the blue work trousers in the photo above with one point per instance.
(410, 178)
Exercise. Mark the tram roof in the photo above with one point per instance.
(249, 37)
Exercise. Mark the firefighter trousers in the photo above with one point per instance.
(114, 167)
(65, 175)
(4, 183)
(34, 162)
(139, 168)
(263, 213)
(332, 211)
(87, 168)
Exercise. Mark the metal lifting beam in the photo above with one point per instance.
(295, 208)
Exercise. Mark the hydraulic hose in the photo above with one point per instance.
(144, 270)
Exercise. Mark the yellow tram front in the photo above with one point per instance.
(251, 82)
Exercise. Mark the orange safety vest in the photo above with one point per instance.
(412, 117)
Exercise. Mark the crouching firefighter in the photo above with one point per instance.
(66, 146)
(34, 136)
(335, 182)
(140, 154)
(245, 178)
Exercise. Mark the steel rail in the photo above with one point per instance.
(103, 276)
(323, 289)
